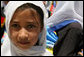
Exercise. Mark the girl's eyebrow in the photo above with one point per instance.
(34, 23)
(28, 22)
(15, 22)
(31, 22)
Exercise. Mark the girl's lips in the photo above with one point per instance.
(24, 43)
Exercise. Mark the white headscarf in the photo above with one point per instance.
(67, 10)
(8, 48)
(2, 4)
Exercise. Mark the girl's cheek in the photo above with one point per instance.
(13, 35)
(34, 39)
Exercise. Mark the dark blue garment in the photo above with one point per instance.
(51, 36)
(61, 25)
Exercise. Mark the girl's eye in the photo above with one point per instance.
(31, 26)
(15, 26)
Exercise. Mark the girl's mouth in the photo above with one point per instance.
(24, 43)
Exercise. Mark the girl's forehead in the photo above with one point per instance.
(25, 15)
(26, 12)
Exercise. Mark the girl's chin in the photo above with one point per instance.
(24, 47)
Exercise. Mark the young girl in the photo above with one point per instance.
(25, 25)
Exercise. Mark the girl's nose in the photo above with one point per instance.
(23, 35)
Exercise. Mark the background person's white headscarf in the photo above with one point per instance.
(67, 10)
(8, 48)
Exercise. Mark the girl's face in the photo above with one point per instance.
(24, 28)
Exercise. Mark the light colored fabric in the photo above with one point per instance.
(8, 48)
(67, 10)
(2, 4)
